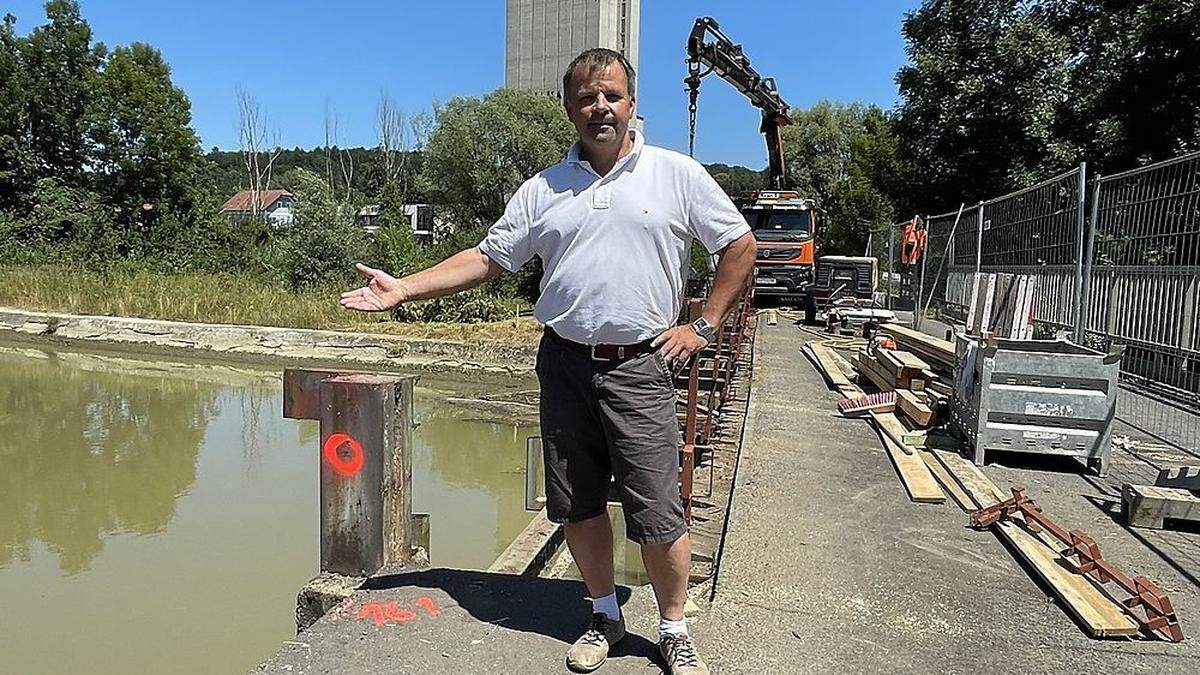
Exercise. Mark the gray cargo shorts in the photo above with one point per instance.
(603, 419)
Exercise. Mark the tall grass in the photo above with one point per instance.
(219, 298)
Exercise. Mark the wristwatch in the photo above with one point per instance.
(705, 329)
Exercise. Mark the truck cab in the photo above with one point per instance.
(785, 226)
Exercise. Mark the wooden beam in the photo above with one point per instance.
(913, 407)
(948, 483)
(878, 376)
(927, 346)
(914, 475)
(918, 482)
(1094, 610)
(900, 365)
(532, 549)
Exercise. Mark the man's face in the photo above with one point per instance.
(599, 105)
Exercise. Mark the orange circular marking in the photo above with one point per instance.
(345, 466)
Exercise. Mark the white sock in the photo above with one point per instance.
(668, 627)
(608, 605)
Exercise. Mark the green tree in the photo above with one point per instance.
(845, 157)
(323, 242)
(481, 150)
(981, 98)
(15, 161)
(735, 180)
(1135, 79)
(59, 67)
(147, 159)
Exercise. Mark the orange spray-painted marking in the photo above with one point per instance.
(348, 465)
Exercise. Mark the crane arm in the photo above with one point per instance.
(724, 57)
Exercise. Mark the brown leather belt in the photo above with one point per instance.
(604, 352)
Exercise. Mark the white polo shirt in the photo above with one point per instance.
(614, 248)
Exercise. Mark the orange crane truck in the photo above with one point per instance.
(784, 222)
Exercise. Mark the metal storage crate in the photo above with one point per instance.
(1037, 396)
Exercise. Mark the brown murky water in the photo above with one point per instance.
(160, 518)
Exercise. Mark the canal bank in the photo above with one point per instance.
(265, 345)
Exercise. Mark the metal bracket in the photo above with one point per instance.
(1159, 612)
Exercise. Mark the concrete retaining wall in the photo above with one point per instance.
(264, 344)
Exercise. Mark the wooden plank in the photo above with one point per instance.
(900, 364)
(1098, 614)
(889, 424)
(532, 549)
(914, 475)
(982, 490)
(913, 408)
(927, 346)
(910, 360)
(948, 483)
(825, 359)
(1094, 610)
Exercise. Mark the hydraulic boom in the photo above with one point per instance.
(724, 57)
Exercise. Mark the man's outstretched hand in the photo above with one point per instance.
(383, 291)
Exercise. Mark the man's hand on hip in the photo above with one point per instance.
(679, 343)
(383, 291)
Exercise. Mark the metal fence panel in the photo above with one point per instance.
(1039, 231)
(884, 245)
(1143, 291)
(945, 284)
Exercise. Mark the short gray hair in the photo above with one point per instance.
(595, 59)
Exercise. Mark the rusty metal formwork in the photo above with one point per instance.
(1157, 613)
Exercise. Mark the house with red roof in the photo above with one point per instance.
(274, 205)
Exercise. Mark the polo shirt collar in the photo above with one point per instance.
(574, 156)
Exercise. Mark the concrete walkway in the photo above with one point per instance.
(827, 567)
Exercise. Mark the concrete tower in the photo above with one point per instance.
(542, 36)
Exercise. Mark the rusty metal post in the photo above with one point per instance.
(365, 465)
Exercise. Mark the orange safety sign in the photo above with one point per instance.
(912, 241)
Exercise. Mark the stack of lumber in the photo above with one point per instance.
(904, 373)
(915, 475)
(925, 470)
(932, 349)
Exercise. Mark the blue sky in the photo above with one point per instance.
(294, 56)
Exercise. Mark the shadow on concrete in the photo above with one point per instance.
(1032, 461)
(555, 608)
(1180, 562)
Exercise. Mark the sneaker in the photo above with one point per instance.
(591, 649)
(680, 654)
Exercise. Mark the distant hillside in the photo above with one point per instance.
(737, 179)
(228, 173)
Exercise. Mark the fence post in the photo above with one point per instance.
(1090, 251)
(1079, 253)
(979, 239)
(916, 322)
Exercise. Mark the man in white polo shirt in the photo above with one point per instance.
(613, 225)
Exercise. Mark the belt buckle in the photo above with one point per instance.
(620, 353)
